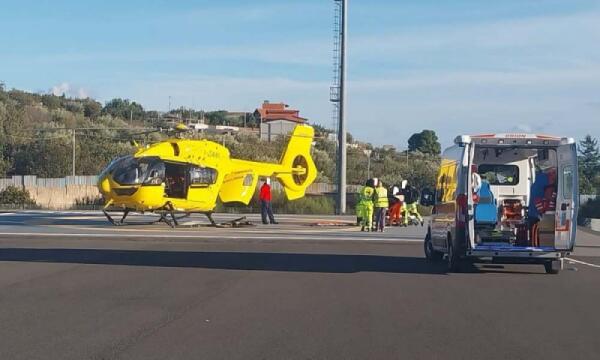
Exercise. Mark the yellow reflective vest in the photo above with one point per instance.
(366, 195)
(381, 197)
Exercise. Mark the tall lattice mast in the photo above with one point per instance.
(337, 95)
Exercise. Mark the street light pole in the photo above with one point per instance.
(342, 112)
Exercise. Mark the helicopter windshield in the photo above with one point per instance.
(134, 171)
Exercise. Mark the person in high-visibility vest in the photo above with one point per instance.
(410, 206)
(381, 206)
(364, 207)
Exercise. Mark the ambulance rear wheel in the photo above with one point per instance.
(552, 267)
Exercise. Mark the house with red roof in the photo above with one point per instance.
(277, 119)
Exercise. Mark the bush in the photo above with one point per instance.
(15, 196)
(590, 210)
(317, 205)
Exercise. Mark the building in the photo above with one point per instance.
(277, 119)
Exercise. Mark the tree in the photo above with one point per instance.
(91, 108)
(51, 101)
(426, 142)
(589, 165)
(589, 157)
(124, 109)
(217, 117)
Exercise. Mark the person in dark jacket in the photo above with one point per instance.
(264, 196)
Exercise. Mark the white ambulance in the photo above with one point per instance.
(505, 198)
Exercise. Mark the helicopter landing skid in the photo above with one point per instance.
(119, 222)
(164, 217)
(167, 215)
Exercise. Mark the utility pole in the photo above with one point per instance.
(368, 153)
(73, 141)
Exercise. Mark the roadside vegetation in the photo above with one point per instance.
(310, 204)
(590, 210)
(36, 138)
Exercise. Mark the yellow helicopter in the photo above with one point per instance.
(183, 176)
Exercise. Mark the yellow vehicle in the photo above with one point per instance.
(183, 176)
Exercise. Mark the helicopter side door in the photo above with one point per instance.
(202, 189)
(176, 180)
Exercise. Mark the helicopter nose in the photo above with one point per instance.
(105, 186)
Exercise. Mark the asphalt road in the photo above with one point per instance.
(72, 287)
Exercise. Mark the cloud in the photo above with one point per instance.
(543, 35)
(532, 78)
(69, 90)
(532, 74)
(60, 89)
(310, 52)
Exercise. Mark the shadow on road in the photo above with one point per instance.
(294, 262)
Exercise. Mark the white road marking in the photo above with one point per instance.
(205, 227)
(583, 263)
(206, 236)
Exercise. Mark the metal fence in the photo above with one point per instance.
(320, 188)
(30, 181)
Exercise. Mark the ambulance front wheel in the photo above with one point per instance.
(430, 253)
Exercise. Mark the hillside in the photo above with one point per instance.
(36, 137)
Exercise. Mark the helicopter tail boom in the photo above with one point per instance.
(295, 171)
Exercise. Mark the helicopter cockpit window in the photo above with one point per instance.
(134, 171)
(155, 172)
(113, 164)
(202, 176)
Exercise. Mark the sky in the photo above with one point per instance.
(459, 66)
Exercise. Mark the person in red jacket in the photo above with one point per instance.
(265, 203)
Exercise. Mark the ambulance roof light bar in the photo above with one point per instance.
(462, 139)
(567, 141)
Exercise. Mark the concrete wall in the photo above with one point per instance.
(595, 224)
(61, 198)
(57, 194)
(75, 191)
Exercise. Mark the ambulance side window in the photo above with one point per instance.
(568, 182)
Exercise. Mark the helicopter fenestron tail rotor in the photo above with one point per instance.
(299, 168)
